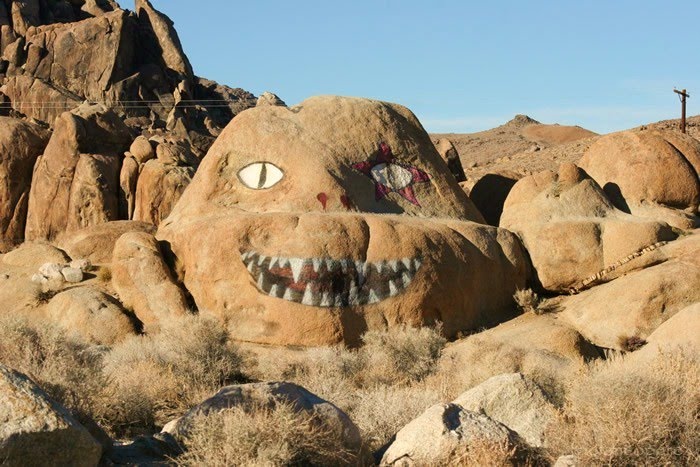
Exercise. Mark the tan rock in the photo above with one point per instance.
(34, 430)
(142, 150)
(143, 281)
(515, 401)
(128, 178)
(572, 231)
(646, 167)
(268, 98)
(451, 157)
(159, 188)
(542, 347)
(489, 194)
(268, 395)
(307, 259)
(636, 304)
(90, 314)
(441, 430)
(20, 145)
(163, 39)
(96, 243)
(25, 13)
(33, 255)
(76, 181)
(680, 331)
(25, 90)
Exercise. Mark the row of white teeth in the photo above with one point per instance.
(362, 268)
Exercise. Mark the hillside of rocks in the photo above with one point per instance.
(193, 276)
(102, 113)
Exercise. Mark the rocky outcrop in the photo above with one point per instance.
(515, 401)
(34, 430)
(267, 395)
(449, 154)
(634, 305)
(572, 231)
(96, 243)
(92, 315)
(281, 186)
(143, 281)
(444, 430)
(642, 168)
(159, 187)
(20, 145)
(76, 180)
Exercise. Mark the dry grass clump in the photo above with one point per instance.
(68, 369)
(133, 388)
(482, 453)
(104, 274)
(631, 343)
(381, 386)
(157, 378)
(527, 300)
(262, 436)
(633, 412)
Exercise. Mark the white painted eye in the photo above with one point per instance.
(260, 175)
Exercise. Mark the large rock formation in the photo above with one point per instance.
(58, 56)
(76, 181)
(34, 430)
(20, 145)
(643, 169)
(295, 197)
(571, 229)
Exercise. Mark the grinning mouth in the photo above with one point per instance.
(326, 282)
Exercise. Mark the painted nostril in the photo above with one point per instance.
(323, 199)
(345, 201)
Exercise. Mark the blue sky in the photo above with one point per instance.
(461, 66)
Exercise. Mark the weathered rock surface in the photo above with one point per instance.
(160, 186)
(34, 430)
(572, 231)
(515, 401)
(441, 430)
(541, 347)
(646, 167)
(679, 332)
(20, 145)
(92, 315)
(143, 281)
(427, 262)
(637, 303)
(248, 396)
(34, 254)
(490, 192)
(75, 183)
(96, 243)
(451, 157)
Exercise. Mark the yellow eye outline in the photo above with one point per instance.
(260, 175)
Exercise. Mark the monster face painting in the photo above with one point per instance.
(311, 225)
(390, 176)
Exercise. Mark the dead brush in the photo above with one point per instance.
(631, 343)
(262, 435)
(527, 300)
(629, 411)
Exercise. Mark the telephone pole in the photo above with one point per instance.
(682, 95)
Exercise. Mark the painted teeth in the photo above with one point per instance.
(333, 282)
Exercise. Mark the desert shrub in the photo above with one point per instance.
(381, 385)
(631, 343)
(262, 436)
(104, 274)
(633, 412)
(156, 378)
(68, 369)
(527, 300)
(403, 354)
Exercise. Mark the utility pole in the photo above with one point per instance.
(682, 95)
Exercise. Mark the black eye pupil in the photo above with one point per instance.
(263, 176)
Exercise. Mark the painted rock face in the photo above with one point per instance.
(313, 224)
